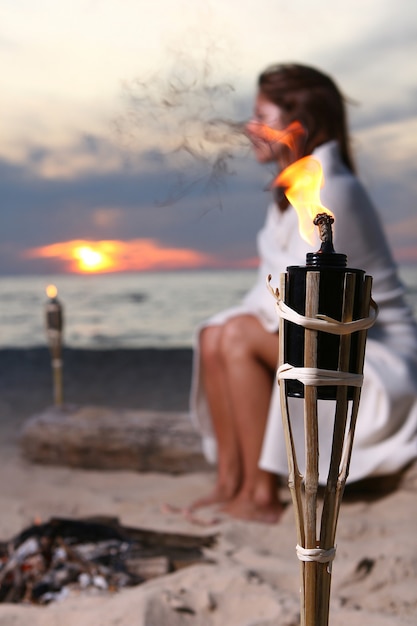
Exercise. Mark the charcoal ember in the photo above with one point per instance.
(19, 555)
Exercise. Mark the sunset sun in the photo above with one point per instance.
(90, 260)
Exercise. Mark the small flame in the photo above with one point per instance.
(302, 179)
(51, 291)
(302, 182)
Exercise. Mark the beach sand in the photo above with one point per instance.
(253, 579)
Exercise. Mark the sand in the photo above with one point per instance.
(253, 579)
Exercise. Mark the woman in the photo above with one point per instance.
(234, 396)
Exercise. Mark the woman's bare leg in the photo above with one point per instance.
(229, 462)
(238, 361)
(250, 354)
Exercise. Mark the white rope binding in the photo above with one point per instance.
(323, 322)
(318, 555)
(313, 376)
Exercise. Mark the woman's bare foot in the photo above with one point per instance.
(220, 494)
(258, 505)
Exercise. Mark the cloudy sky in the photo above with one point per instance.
(105, 140)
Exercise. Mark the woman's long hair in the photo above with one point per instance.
(311, 97)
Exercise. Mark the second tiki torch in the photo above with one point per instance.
(54, 325)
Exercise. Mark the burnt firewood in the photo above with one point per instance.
(71, 530)
(97, 529)
(44, 560)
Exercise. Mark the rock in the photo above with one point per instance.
(96, 437)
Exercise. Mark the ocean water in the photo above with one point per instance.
(118, 310)
(127, 310)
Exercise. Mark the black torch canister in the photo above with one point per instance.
(333, 270)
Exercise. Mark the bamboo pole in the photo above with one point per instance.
(55, 348)
(362, 335)
(57, 381)
(312, 450)
(294, 474)
(334, 488)
(347, 451)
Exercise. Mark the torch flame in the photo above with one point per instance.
(51, 291)
(302, 181)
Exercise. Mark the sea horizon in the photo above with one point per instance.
(118, 310)
(158, 309)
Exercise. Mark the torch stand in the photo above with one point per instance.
(341, 383)
(55, 348)
(54, 325)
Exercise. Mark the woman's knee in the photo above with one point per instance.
(209, 342)
(219, 343)
(236, 337)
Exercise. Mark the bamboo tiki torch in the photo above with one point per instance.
(54, 325)
(325, 311)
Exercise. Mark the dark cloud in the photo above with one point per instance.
(386, 41)
(385, 113)
(190, 194)
(37, 211)
(372, 60)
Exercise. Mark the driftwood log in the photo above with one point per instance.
(97, 437)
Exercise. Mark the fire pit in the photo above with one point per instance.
(48, 561)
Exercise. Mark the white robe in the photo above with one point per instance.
(386, 431)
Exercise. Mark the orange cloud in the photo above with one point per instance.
(84, 256)
(402, 235)
(405, 227)
(405, 254)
